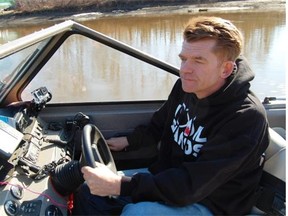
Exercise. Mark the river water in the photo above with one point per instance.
(161, 36)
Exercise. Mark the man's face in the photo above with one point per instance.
(201, 71)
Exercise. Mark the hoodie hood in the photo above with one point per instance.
(237, 86)
(239, 81)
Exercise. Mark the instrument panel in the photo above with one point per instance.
(30, 149)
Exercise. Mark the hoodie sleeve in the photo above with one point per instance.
(233, 151)
(151, 134)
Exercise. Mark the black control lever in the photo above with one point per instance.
(81, 119)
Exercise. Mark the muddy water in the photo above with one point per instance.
(160, 35)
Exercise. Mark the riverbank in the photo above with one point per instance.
(13, 18)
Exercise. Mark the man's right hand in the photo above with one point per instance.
(117, 143)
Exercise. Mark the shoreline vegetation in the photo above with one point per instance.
(40, 11)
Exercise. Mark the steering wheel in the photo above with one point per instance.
(95, 148)
(67, 177)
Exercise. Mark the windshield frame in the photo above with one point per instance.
(56, 35)
(17, 62)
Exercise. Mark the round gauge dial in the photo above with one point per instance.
(11, 207)
(53, 210)
(17, 191)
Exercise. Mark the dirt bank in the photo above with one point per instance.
(12, 18)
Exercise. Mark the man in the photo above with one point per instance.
(212, 132)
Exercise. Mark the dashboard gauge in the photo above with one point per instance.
(53, 211)
(11, 207)
(17, 191)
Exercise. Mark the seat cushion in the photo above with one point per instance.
(275, 156)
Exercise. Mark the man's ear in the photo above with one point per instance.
(227, 69)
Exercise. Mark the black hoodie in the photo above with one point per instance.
(210, 149)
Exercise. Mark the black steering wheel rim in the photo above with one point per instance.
(95, 148)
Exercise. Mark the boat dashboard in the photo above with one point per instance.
(40, 161)
(30, 150)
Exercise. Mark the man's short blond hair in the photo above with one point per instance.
(228, 38)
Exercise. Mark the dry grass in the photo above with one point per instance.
(40, 5)
(36, 5)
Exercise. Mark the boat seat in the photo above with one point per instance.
(275, 156)
(275, 159)
(281, 131)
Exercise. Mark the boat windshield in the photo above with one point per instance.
(13, 65)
